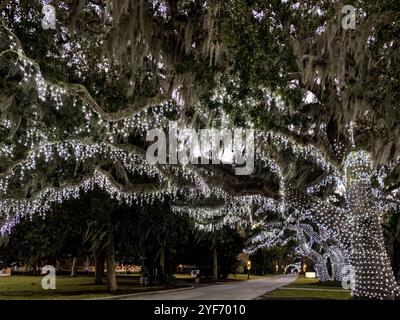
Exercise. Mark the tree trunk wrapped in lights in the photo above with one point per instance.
(374, 277)
(357, 227)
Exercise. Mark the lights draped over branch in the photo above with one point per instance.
(337, 218)
(234, 211)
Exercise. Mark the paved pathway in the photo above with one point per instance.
(241, 290)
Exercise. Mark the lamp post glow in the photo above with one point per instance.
(248, 269)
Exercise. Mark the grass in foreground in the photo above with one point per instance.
(67, 288)
(309, 289)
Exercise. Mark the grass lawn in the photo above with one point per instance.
(309, 289)
(67, 288)
(183, 276)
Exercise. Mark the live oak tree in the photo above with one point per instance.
(82, 228)
(77, 102)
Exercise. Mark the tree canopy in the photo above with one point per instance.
(77, 102)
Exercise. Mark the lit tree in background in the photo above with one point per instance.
(77, 102)
(318, 247)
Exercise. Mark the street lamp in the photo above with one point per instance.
(248, 268)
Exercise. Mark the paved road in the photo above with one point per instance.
(241, 290)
